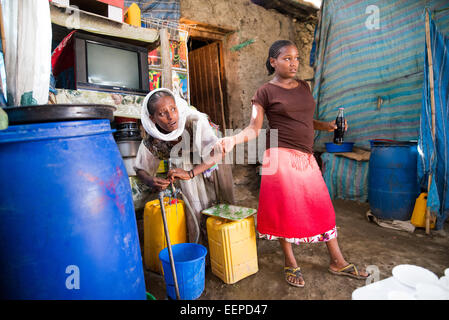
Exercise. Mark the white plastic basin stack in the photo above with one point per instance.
(409, 282)
(425, 283)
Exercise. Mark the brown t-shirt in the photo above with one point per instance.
(290, 111)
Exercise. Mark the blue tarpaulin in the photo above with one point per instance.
(345, 178)
(159, 9)
(368, 58)
(434, 154)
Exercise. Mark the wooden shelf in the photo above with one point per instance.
(72, 18)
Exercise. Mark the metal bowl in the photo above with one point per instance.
(127, 126)
(128, 148)
(127, 135)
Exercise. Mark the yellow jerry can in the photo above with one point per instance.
(153, 230)
(419, 213)
(232, 248)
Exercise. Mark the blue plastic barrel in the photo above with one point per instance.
(67, 222)
(392, 180)
(190, 265)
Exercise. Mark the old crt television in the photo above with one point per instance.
(107, 65)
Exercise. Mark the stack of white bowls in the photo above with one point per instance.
(425, 283)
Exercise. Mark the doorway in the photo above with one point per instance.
(207, 79)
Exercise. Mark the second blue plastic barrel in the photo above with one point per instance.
(67, 222)
(190, 265)
(392, 180)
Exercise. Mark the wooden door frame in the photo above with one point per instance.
(203, 31)
(206, 31)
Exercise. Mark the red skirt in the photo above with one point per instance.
(294, 201)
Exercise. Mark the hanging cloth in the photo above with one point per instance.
(28, 51)
(434, 154)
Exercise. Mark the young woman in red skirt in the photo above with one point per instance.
(294, 203)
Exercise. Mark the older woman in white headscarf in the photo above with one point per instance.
(182, 135)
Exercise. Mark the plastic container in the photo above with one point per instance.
(232, 246)
(392, 179)
(154, 234)
(128, 148)
(190, 266)
(132, 15)
(67, 225)
(163, 166)
(419, 212)
(344, 147)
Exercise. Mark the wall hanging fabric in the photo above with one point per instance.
(434, 154)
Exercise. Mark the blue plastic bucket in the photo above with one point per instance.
(344, 147)
(190, 265)
(67, 222)
(392, 180)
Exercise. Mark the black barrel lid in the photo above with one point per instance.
(58, 112)
(395, 143)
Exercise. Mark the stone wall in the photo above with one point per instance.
(245, 68)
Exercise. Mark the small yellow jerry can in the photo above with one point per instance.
(153, 230)
(419, 213)
(232, 248)
(132, 15)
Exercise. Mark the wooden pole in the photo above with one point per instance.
(432, 103)
(2, 31)
(167, 81)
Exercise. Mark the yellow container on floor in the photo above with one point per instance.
(419, 213)
(154, 234)
(232, 248)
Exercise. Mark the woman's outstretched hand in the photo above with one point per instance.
(225, 145)
(177, 173)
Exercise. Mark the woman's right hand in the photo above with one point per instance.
(226, 144)
(160, 183)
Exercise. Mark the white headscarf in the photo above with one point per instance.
(204, 136)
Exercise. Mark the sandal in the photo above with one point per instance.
(295, 273)
(350, 270)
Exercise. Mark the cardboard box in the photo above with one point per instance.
(111, 9)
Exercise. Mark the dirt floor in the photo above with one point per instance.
(362, 242)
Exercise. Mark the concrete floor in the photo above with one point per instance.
(362, 242)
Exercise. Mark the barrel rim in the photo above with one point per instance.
(392, 143)
(54, 130)
(58, 113)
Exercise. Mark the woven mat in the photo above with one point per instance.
(356, 154)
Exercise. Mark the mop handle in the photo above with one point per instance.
(167, 236)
